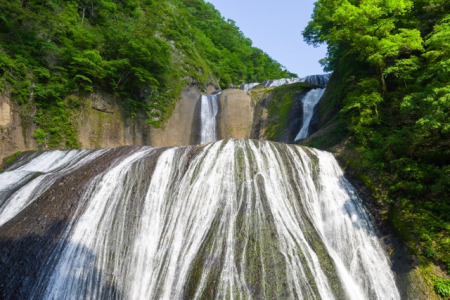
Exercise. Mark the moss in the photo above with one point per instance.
(395, 218)
(26, 120)
(280, 106)
(55, 126)
(13, 157)
(162, 107)
(95, 137)
(328, 137)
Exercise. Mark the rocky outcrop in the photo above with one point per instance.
(261, 114)
(103, 124)
(182, 127)
(5, 112)
(278, 112)
(16, 128)
(235, 118)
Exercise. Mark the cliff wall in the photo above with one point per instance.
(100, 121)
(235, 118)
(16, 128)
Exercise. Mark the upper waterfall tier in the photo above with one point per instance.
(209, 108)
(232, 219)
(280, 82)
(248, 86)
(309, 102)
(321, 80)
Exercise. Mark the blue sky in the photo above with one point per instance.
(275, 27)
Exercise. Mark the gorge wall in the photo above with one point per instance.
(100, 121)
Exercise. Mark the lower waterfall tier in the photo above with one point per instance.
(232, 219)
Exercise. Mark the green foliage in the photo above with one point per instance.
(143, 52)
(13, 157)
(39, 135)
(442, 287)
(55, 128)
(393, 61)
(363, 102)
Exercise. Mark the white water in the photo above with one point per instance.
(321, 79)
(318, 79)
(238, 219)
(309, 102)
(209, 109)
(248, 86)
(39, 173)
(280, 82)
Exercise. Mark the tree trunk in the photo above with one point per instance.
(82, 16)
(383, 82)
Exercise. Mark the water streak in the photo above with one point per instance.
(280, 82)
(248, 86)
(309, 102)
(39, 173)
(209, 109)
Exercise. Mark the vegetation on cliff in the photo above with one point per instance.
(142, 51)
(392, 67)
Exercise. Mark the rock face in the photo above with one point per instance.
(235, 114)
(261, 115)
(182, 127)
(278, 113)
(16, 130)
(5, 112)
(102, 124)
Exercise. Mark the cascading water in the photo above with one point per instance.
(209, 108)
(309, 102)
(321, 80)
(248, 86)
(280, 82)
(21, 185)
(233, 219)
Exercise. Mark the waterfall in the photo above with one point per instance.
(232, 219)
(209, 109)
(309, 102)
